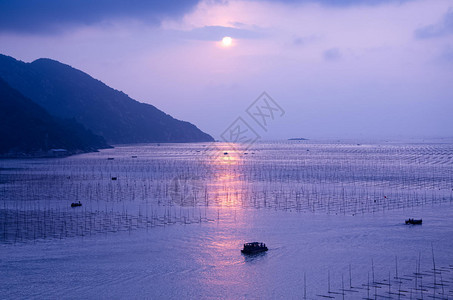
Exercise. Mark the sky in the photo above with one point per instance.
(337, 69)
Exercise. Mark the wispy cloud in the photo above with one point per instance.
(53, 16)
(344, 3)
(447, 54)
(442, 28)
(304, 40)
(215, 33)
(332, 54)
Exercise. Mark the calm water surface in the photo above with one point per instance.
(173, 222)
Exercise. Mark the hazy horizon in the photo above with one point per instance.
(355, 69)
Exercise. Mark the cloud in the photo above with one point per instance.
(332, 54)
(53, 16)
(50, 16)
(443, 28)
(215, 33)
(302, 41)
(447, 54)
(344, 3)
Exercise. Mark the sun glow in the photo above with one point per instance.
(227, 41)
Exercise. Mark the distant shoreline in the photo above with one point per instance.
(46, 154)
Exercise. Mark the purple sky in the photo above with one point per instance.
(356, 68)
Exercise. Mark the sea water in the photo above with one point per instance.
(173, 222)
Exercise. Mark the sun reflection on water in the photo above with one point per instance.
(227, 188)
(226, 170)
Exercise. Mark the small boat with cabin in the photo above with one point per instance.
(75, 204)
(254, 247)
(414, 222)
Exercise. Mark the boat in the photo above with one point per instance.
(414, 222)
(75, 204)
(254, 247)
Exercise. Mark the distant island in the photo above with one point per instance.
(297, 139)
(97, 112)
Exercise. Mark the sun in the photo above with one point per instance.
(227, 41)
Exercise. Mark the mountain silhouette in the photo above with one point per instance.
(66, 92)
(28, 129)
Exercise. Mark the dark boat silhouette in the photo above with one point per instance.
(75, 204)
(414, 222)
(254, 247)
